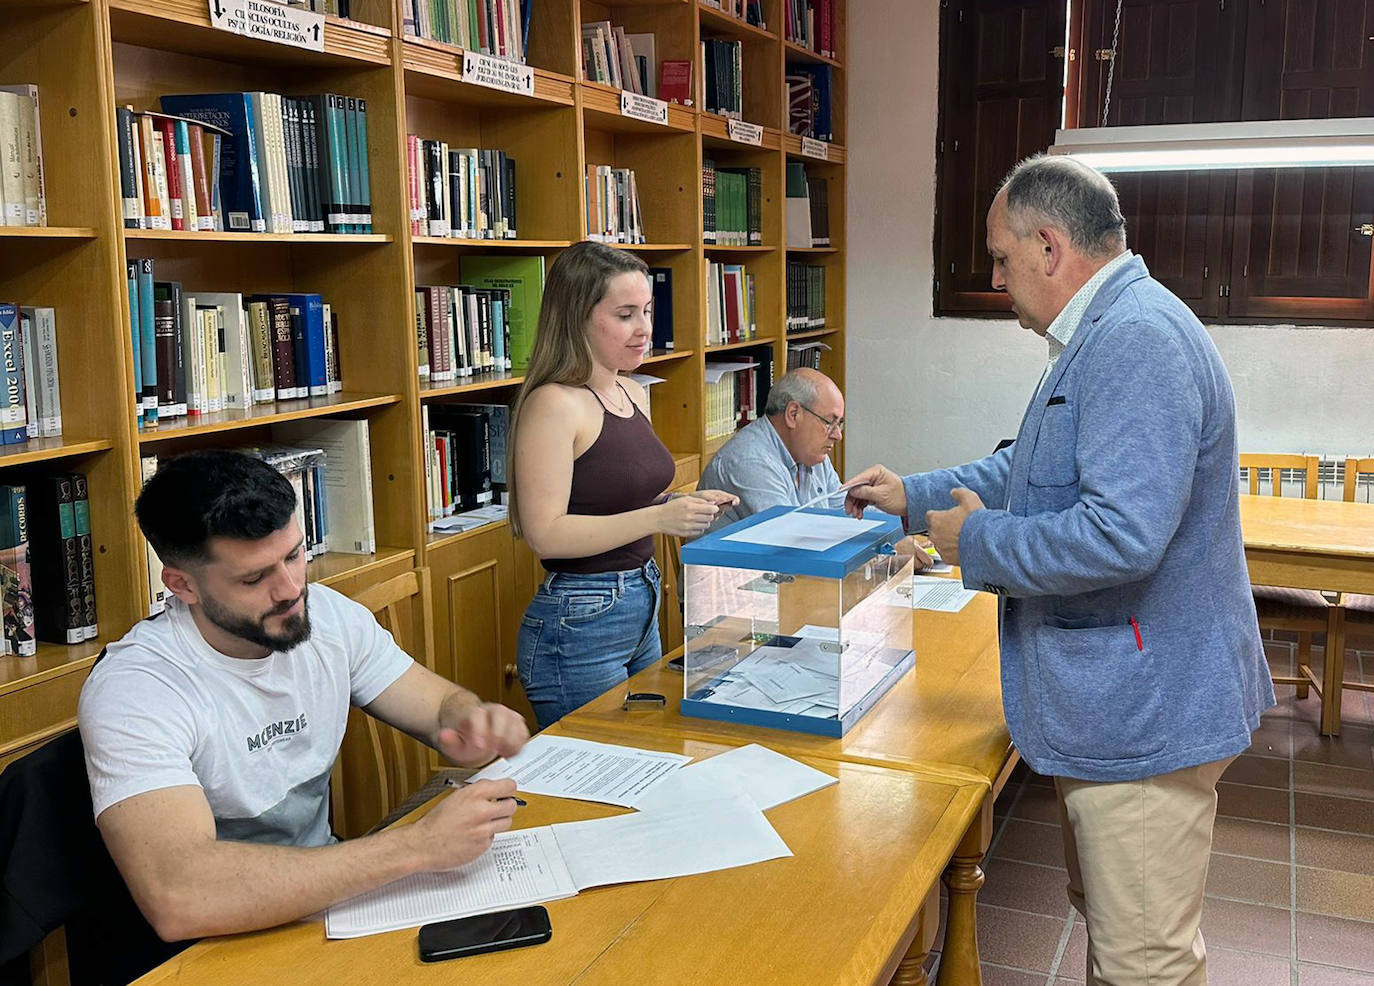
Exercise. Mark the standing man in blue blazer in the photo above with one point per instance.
(1132, 669)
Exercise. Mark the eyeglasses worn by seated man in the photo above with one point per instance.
(836, 425)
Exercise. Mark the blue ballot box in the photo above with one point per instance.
(794, 619)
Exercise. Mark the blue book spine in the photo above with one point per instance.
(13, 419)
(131, 270)
(498, 336)
(352, 167)
(317, 368)
(364, 179)
(147, 340)
(240, 184)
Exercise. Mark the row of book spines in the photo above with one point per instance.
(809, 101)
(339, 8)
(462, 331)
(198, 353)
(730, 304)
(749, 11)
(732, 200)
(288, 164)
(731, 402)
(613, 212)
(47, 563)
(811, 24)
(615, 58)
(465, 456)
(168, 172)
(805, 296)
(31, 402)
(722, 72)
(23, 197)
(493, 27)
(467, 193)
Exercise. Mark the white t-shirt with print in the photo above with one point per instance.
(164, 709)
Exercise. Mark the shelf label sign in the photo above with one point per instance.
(815, 148)
(498, 73)
(645, 108)
(268, 21)
(744, 133)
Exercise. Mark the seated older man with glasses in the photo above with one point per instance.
(783, 458)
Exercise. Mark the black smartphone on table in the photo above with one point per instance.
(485, 933)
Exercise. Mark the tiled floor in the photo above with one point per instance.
(1290, 889)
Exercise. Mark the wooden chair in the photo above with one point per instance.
(1303, 611)
(1359, 609)
(379, 766)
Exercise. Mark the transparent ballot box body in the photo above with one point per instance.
(806, 636)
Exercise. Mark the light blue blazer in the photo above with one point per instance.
(1129, 641)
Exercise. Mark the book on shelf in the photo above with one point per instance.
(731, 394)
(647, 381)
(729, 304)
(807, 354)
(211, 351)
(346, 478)
(492, 27)
(13, 401)
(458, 442)
(722, 74)
(31, 406)
(811, 24)
(732, 200)
(613, 213)
(749, 11)
(805, 296)
(616, 58)
(16, 579)
(809, 101)
(23, 198)
(523, 278)
(157, 591)
(675, 81)
(661, 283)
(465, 193)
(55, 560)
(798, 206)
(81, 509)
(266, 163)
(462, 331)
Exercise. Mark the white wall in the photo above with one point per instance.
(925, 391)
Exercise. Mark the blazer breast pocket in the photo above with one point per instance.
(1054, 458)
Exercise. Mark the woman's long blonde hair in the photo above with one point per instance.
(576, 283)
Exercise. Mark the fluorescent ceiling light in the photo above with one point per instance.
(1196, 146)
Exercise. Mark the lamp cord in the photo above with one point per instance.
(1111, 68)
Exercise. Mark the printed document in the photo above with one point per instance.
(807, 531)
(563, 767)
(524, 867)
(920, 592)
(767, 777)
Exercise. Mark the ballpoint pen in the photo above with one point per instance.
(452, 783)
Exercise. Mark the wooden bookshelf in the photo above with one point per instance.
(87, 56)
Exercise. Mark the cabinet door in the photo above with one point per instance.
(1176, 221)
(1299, 250)
(1001, 99)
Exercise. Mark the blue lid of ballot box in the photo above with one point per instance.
(834, 563)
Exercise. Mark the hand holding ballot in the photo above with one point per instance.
(876, 486)
(686, 516)
(945, 525)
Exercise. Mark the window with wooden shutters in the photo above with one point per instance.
(1001, 99)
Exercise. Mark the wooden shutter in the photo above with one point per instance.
(1001, 99)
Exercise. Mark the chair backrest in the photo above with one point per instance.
(379, 766)
(1275, 464)
(672, 606)
(1354, 468)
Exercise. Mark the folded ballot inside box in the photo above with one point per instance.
(786, 624)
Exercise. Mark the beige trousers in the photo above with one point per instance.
(1137, 854)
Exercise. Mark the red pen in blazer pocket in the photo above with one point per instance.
(1139, 644)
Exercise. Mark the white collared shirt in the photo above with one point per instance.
(1065, 324)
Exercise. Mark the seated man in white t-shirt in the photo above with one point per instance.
(210, 730)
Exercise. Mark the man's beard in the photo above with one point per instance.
(295, 630)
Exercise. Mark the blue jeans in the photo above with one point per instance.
(584, 634)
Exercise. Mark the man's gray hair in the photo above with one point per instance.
(793, 386)
(1064, 194)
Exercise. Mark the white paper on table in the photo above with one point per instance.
(767, 777)
(697, 837)
(524, 867)
(563, 767)
(473, 519)
(919, 592)
(809, 532)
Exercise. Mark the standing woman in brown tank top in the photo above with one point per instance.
(590, 475)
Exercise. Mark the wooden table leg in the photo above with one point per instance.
(959, 957)
(1333, 670)
(911, 971)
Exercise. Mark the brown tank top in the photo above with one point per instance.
(626, 468)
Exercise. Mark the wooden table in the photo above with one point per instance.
(1327, 545)
(849, 907)
(942, 719)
